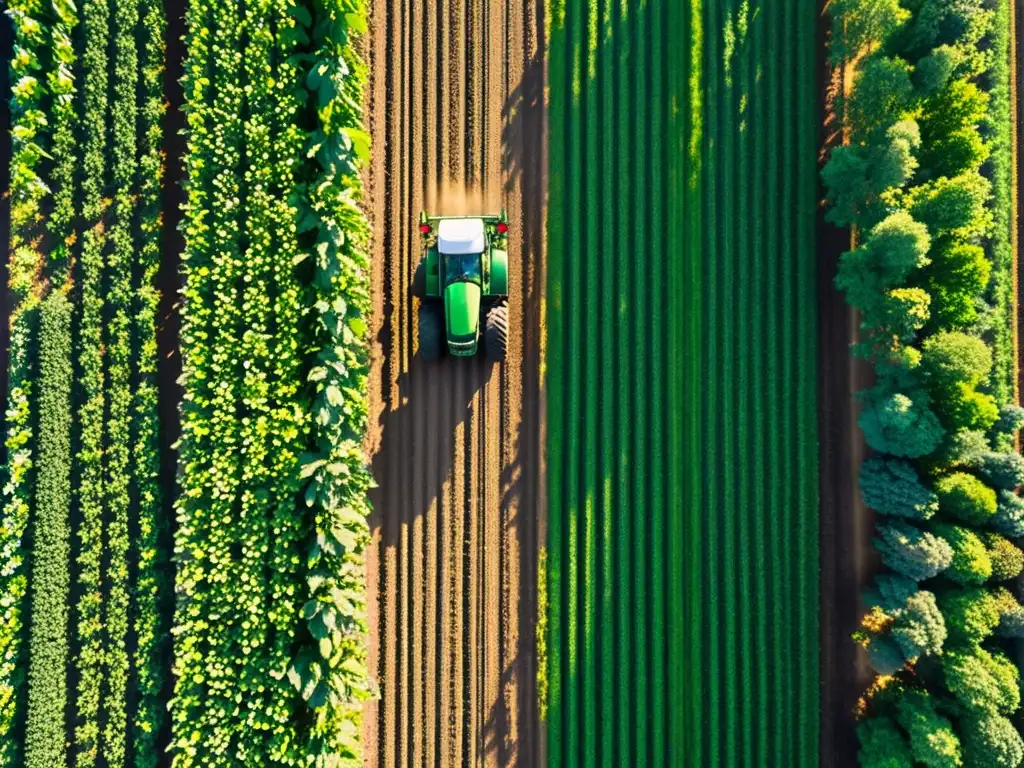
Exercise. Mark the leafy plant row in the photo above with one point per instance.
(944, 476)
(269, 627)
(82, 419)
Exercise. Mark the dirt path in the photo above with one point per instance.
(455, 108)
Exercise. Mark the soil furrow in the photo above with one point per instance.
(454, 107)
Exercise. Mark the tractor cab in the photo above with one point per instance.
(462, 282)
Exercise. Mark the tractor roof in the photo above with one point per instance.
(460, 236)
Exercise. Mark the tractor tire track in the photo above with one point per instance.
(455, 108)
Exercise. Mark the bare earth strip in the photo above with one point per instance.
(455, 109)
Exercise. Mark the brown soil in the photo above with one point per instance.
(455, 106)
(848, 561)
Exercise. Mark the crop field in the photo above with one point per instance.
(455, 100)
(682, 548)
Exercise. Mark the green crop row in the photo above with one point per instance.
(943, 479)
(270, 649)
(91, 380)
(151, 580)
(83, 272)
(26, 192)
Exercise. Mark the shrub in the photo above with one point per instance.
(1007, 559)
(949, 358)
(891, 487)
(970, 563)
(965, 408)
(982, 680)
(1009, 517)
(912, 552)
(1003, 470)
(990, 740)
(882, 745)
(953, 206)
(932, 739)
(918, 627)
(901, 425)
(955, 278)
(965, 498)
(971, 615)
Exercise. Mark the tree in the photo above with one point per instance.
(981, 679)
(954, 280)
(891, 487)
(882, 745)
(965, 498)
(971, 615)
(964, 449)
(1003, 470)
(953, 206)
(1009, 517)
(971, 563)
(932, 739)
(892, 250)
(890, 592)
(1007, 559)
(862, 24)
(1011, 420)
(912, 552)
(887, 98)
(900, 424)
(934, 70)
(952, 357)
(991, 741)
(960, 106)
(964, 408)
(918, 628)
(961, 151)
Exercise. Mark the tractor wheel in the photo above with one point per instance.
(496, 333)
(419, 281)
(431, 333)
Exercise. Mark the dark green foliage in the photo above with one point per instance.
(1011, 420)
(150, 562)
(882, 745)
(982, 680)
(891, 487)
(90, 378)
(891, 591)
(932, 72)
(963, 450)
(970, 563)
(1009, 517)
(912, 552)
(918, 627)
(965, 498)
(48, 647)
(932, 740)
(990, 741)
(1003, 470)
(863, 24)
(898, 424)
(1007, 559)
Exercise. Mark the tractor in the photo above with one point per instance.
(462, 284)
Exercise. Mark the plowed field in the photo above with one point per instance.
(455, 109)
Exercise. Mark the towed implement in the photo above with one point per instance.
(462, 283)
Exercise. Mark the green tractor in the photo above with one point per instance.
(462, 283)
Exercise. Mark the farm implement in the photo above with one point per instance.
(462, 284)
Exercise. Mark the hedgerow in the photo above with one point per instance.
(909, 183)
(270, 630)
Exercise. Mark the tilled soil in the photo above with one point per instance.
(455, 107)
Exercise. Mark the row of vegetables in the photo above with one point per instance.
(251, 632)
(923, 181)
(270, 658)
(82, 442)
